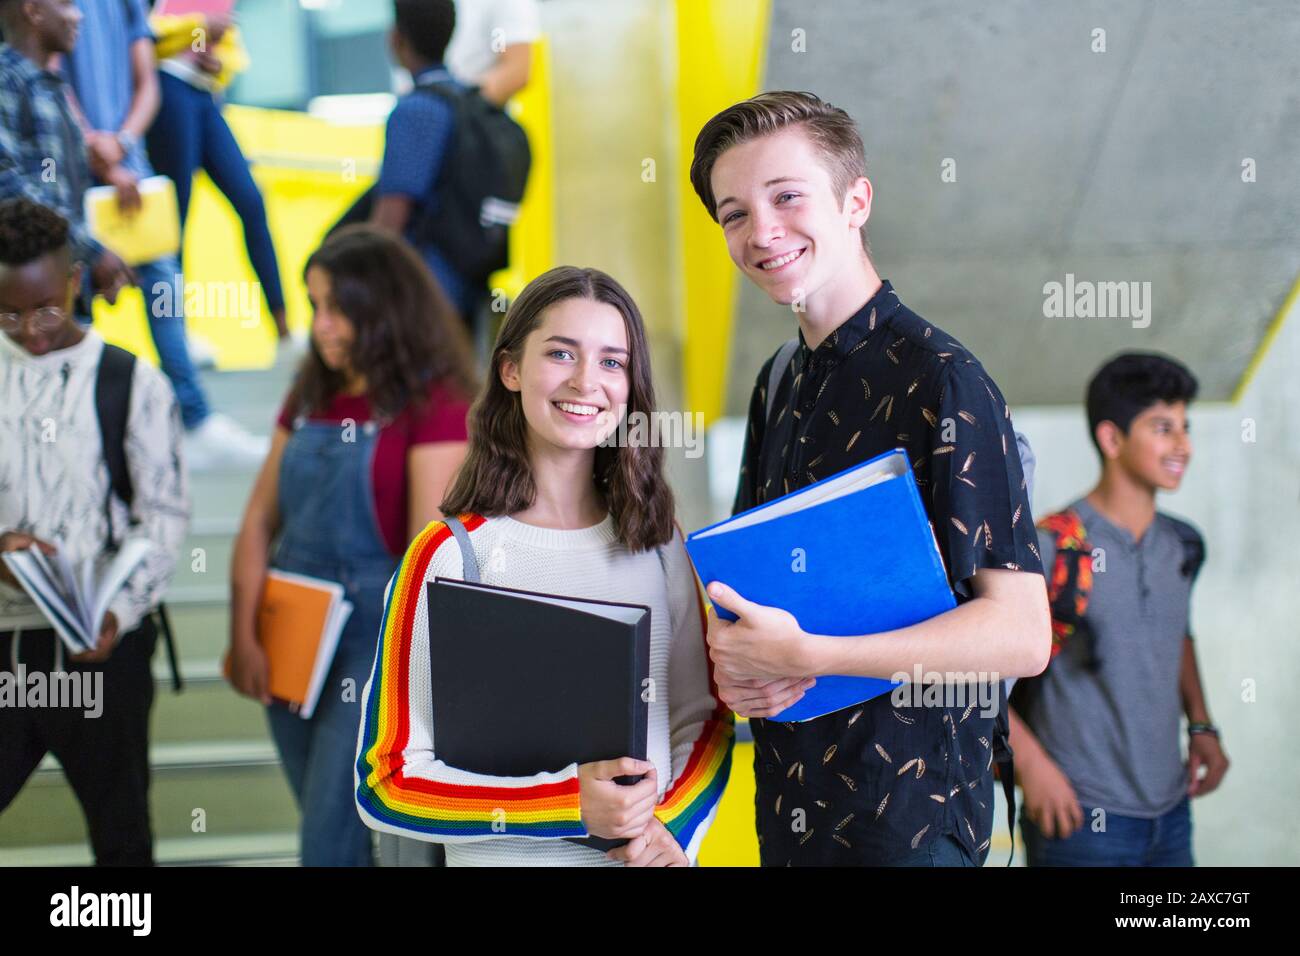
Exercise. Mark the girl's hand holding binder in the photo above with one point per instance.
(612, 810)
(654, 847)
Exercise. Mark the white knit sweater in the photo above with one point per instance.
(53, 479)
(685, 718)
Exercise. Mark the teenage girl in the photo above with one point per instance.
(550, 509)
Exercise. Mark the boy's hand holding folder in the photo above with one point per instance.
(851, 555)
(763, 643)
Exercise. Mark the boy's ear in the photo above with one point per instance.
(74, 285)
(857, 201)
(1109, 438)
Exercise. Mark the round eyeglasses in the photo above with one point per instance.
(47, 319)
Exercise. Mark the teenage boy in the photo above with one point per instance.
(56, 493)
(112, 72)
(784, 174)
(417, 138)
(1096, 735)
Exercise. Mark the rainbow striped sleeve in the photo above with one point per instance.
(400, 785)
(689, 804)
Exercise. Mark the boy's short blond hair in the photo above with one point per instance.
(830, 129)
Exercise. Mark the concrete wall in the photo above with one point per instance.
(613, 102)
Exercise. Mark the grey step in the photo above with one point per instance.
(208, 709)
(253, 416)
(257, 849)
(211, 488)
(248, 397)
(204, 557)
(264, 388)
(238, 784)
(219, 496)
(201, 628)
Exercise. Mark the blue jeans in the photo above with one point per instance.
(1127, 841)
(329, 531)
(162, 285)
(318, 756)
(189, 134)
(164, 306)
(943, 850)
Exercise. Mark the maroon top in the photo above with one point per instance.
(442, 419)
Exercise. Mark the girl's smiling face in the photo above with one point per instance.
(572, 376)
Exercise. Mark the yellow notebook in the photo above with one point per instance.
(151, 232)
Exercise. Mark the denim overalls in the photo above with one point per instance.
(329, 530)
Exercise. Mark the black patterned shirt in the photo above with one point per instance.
(873, 782)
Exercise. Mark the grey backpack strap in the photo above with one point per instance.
(467, 556)
(779, 364)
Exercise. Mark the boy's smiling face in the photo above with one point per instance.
(786, 227)
(1157, 448)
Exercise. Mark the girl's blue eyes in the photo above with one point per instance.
(554, 352)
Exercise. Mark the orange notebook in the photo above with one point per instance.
(299, 623)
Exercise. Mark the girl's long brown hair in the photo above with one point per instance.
(497, 479)
(408, 334)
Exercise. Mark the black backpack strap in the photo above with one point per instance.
(467, 556)
(1193, 548)
(164, 624)
(780, 362)
(112, 406)
(113, 381)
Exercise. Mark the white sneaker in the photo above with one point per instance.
(289, 352)
(220, 442)
(202, 354)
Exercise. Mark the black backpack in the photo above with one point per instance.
(479, 187)
(112, 406)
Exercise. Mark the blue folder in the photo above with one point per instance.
(851, 554)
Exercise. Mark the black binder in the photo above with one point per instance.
(526, 683)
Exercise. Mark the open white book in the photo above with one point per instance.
(75, 597)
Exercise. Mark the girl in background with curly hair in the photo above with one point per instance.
(550, 506)
(366, 444)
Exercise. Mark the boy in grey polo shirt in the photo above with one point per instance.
(1096, 736)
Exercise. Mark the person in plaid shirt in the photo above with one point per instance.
(42, 152)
